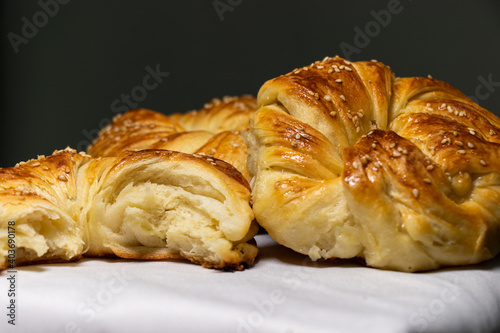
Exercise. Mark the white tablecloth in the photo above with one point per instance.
(283, 293)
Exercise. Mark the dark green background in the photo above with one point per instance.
(58, 89)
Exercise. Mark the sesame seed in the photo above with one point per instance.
(277, 184)
(430, 167)
(330, 71)
(358, 129)
(449, 109)
(294, 144)
(349, 116)
(396, 154)
(348, 69)
(300, 128)
(428, 105)
(405, 151)
(341, 67)
(472, 132)
(67, 169)
(400, 149)
(355, 165)
(333, 113)
(482, 162)
(297, 72)
(492, 132)
(377, 164)
(363, 159)
(305, 68)
(459, 143)
(415, 192)
(429, 76)
(235, 145)
(62, 177)
(316, 95)
(35, 164)
(210, 159)
(328, 98)
(392, 145)
(461, 151)
(310, 92)
(471, 145)
(338, 80)
(342, 97)
(374, 145)
(213, 163)
(320, 67)
(427, 180)
(297, 136)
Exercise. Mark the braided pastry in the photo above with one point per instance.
(213, 130)
(351, 161)
(149, 204)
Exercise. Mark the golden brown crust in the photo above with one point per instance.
(403, 172)
(213, 130)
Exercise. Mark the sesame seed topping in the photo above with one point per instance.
(405, 151)
(428, 105)
(320, 67)
(459, 143)
(461, 151)
(348, 69)
(472, 132)
(294, 144)
(333, 113)
(67, 169)
(338, 80)
(62, 178)
(328, 98)
(415, 192)
(400, 148)
(492, 132)
(471, 145)
(342, 97)
(430, 167)
(310, 92)
(363, 160)
(392, 145)
(482, 162)
(427, 180)
(297, 136)
(377, 164)
(35, 164)
(316, 95)
(341, 67)
(374, 145)
(396, 154)
(355, 165)
(330, 71)
(358, 129)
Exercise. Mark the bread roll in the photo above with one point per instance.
(149, 204)
(352, 162)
